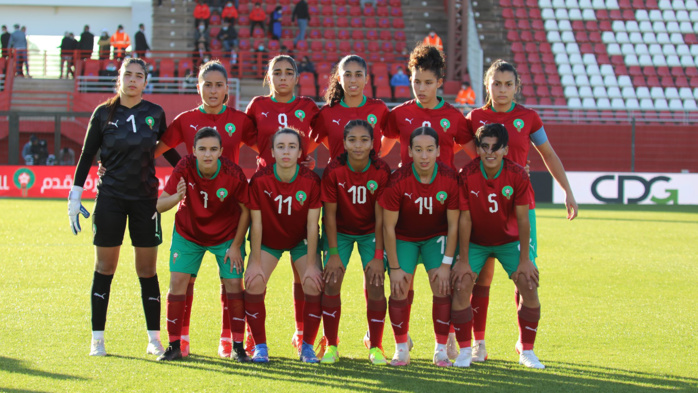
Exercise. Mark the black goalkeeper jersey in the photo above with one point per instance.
(127, 144)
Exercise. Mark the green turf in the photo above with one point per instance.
(619, 290)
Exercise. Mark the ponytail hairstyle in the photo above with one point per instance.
(424, 131)
(428, 58)
(501, 66)
(335, 92)
(270, 69)
(214, 65)
(289, 131)
(344, 157)
(113, 103)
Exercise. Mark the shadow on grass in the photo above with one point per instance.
(22, 367)
(10, 390)
(421, 376)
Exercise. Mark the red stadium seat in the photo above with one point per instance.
(379, 69)
(510, 24)
(359, 47)
(371, 35)
(369, 11)
(90, 68)
(213, 31)
(323, 68)
(273, 46)
(244, 33)
(403, 92)
(357, 35)
(396, 12)
(370, 23)
(542, 91)
(244, 44)
(285, 33)
(356, 23)
(166, 67)
(382, 11)
(185, 67)
(330, 46)
(344, 35)
(384, 92)
(302, 45)
(327, 11)
(258, 33)
(398, 23)
(243, 20)
(328, 22)
(384, 23)
(557, 92)
(395, 3)
(355, 11)
(315, 22)
(387, 47)
(316, 46)
(344, 46)
(385, 35)
(400, 35)
(215, 45)
(521, 13)
(649, 71)
(315, 34)
(373, 46)
(667, 81)
(328, 34)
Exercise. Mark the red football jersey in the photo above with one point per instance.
(209, 213)
(492, 202)
(330, 121)
(269, 115)
(444, 118)
(235, 128)
(520, 123)
(355, 193)
(284, 206)
(422, 207)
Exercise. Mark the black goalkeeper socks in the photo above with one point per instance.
(101, 286)
(150, 293)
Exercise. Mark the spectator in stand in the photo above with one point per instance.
(434, 40)
(466, 96)
(228, 36)
(201, 36)
(86, 44)
(120, 41)
(257, 17)
(201, 13)
(275, 22)
(27, 150)
(39, 152)
(5, 38)
(302, 13)
(306, 65)
(234, 59)
(400, 78)
(18, 42)
(68, 47)
(104, 44)
(141, 43)
(230, 13)
(66, 156)
(215, 6)
(201, 55)
(26, 60)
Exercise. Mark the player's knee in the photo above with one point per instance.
(256, 285)
(232, 285)
(375, 292)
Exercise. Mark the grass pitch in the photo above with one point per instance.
(619, 290)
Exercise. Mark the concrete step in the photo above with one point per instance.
(37, 84)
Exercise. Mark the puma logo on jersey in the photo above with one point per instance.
(102, 296)
(251, 315)
(335, 121)
(157, 299)
(399, 326)
(342, 184)
(408, 195)
(315, 316)
(265, 113)
(475, 192)
(409, 120)
(333, 315)
(172, 321)
(483, 122)
(195, 127)
(442, 322)
(531, 329)
(268, 193)
(114, 123)
(191, 185)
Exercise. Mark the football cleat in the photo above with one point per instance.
(249, 344)
(367, 340)
(410, 343)
(239, 354)
(441, 358)
(184, 347)
(321, 347)
(155, 348)
(480, 351)
(452, 347)
(331, 355)
(297, 341)
(171, 354)
(225, 348)
(464, 358)
(97, 348)
(261, 354)
(308, 354)
(530, 360)
(400, 358)
(377, 357)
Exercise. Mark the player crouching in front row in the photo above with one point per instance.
(494, 200)
(211, 216)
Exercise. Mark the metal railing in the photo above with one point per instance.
(475, 57)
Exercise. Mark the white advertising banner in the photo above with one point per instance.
(631, 188)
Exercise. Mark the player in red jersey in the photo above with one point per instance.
(282, 108)
(345, 101)
(427, 109)
(524, 127)
(235, 128)
(351, 186)
(494, 201)
(420, 218)
(285, 208)
(211, 216)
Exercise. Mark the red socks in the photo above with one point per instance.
(463, 324)
(256, 314)
(311, 320)
(225, 317)
(479, 301)
(236, 315)
(298, 305)
(175, 316)
(375, 313)
(441, 316)
(331, 311)
(400, 319)
(528, 326)
(187, 309)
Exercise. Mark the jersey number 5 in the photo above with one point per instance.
(495, 206)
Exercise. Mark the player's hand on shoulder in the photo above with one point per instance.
(333, 269)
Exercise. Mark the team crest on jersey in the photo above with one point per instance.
(300, 114)
(150, 122)
(230, 129)
(372, 186)
(445, 124)
(507, 191)
(301, 197)
(222, 193)
(372, 120)
(441, 196)
(519, 124)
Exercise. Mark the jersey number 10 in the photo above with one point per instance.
(358, 194)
